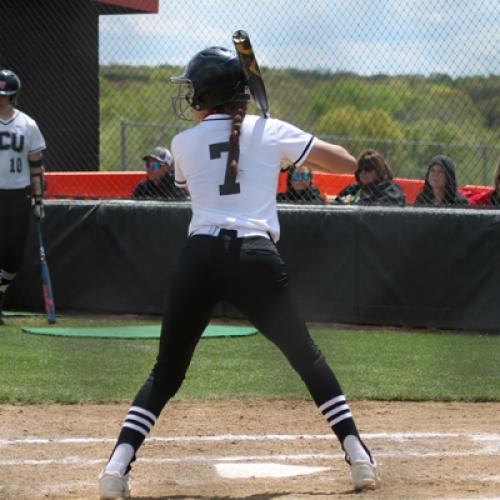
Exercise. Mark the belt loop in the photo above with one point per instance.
(228, 234)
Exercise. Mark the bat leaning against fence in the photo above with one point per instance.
(48, 296)
(245, 52)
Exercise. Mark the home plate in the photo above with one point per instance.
(244, 471)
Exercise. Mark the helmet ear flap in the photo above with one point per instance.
(205, 98)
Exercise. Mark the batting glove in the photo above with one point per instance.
(38, 209)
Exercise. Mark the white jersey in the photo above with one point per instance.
(19, 138)
(200, 155)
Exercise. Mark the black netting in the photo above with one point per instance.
(414, 81)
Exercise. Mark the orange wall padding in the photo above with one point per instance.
(411, 188)
(105, 185)
(91, 184)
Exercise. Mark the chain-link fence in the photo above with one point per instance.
(410, 79)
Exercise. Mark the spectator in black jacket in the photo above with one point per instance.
(159, 184)
(374, 183)
(440, 187)
(300, 188)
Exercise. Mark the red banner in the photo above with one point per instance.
(141, 5)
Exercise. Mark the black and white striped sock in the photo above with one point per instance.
(139, 420)
(339, 416)
(335, 410)
(136, 427)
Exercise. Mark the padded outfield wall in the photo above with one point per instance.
(411, 266)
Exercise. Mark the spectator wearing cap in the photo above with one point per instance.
(159, 184)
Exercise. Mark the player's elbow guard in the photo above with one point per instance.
(37, 187)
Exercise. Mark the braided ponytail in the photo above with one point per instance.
(234, 144)
(237, 110)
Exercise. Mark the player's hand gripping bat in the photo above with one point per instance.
(245, 52)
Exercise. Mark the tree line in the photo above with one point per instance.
(409, 118)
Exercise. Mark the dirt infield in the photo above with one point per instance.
(253, 450)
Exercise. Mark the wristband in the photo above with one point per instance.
(35, 163)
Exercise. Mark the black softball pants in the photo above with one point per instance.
(15, 209)
(250, 274)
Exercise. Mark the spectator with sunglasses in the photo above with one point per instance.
(300, 188)
(374, 183)
(159, 184)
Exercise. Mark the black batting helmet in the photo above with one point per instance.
(10, 84)
(213, 77)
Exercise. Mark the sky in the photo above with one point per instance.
(456, 37)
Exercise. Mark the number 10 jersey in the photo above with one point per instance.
(19, 138)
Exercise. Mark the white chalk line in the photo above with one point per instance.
(490, 447)
(76, 460)
(396, 436)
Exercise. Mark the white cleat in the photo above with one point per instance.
(364, 475)
(113, 485)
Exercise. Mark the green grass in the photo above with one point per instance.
(372, 364)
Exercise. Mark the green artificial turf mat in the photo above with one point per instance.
(136, 332)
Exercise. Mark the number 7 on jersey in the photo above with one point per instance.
(230, 186)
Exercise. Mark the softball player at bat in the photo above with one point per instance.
(230, 164)
(21, 179)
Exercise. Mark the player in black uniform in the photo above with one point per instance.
(21, 179)
(230, 162)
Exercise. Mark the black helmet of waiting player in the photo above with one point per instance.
(212, 78)
(10, 85)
